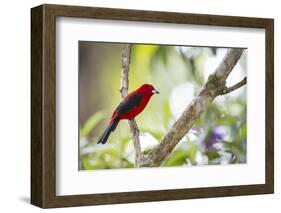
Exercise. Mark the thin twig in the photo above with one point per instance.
(137, 146)
(126, 57)
(234, 87)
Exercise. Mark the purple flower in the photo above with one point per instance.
(215, 136)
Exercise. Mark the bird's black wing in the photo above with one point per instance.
(128, 104)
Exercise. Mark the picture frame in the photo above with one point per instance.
(43, 105)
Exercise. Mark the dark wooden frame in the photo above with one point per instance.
(43, 105)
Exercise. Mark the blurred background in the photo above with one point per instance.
(178, 72)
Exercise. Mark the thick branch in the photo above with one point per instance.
(126, 57)
(234, 87)
(227, 64)
(211, 89)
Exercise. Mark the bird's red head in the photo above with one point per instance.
(147, 89)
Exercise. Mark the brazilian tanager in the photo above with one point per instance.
(132, 105)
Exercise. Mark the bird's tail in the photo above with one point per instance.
(111, 127)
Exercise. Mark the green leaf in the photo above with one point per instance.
(91, 123)
(213, 155)
(177, 158)
(166, 112)
(142, 55)
(154, 132)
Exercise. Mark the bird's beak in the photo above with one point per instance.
(155, 91)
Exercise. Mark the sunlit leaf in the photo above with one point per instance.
(178, 158)
(154, 132)
(213, 154)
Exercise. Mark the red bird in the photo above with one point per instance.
(132, 105)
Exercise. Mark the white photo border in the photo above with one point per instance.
(71, 181)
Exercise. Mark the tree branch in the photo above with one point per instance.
(215, 83)
(234, 87)
(126, 57)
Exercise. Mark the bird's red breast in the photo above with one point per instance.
(134, 103)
